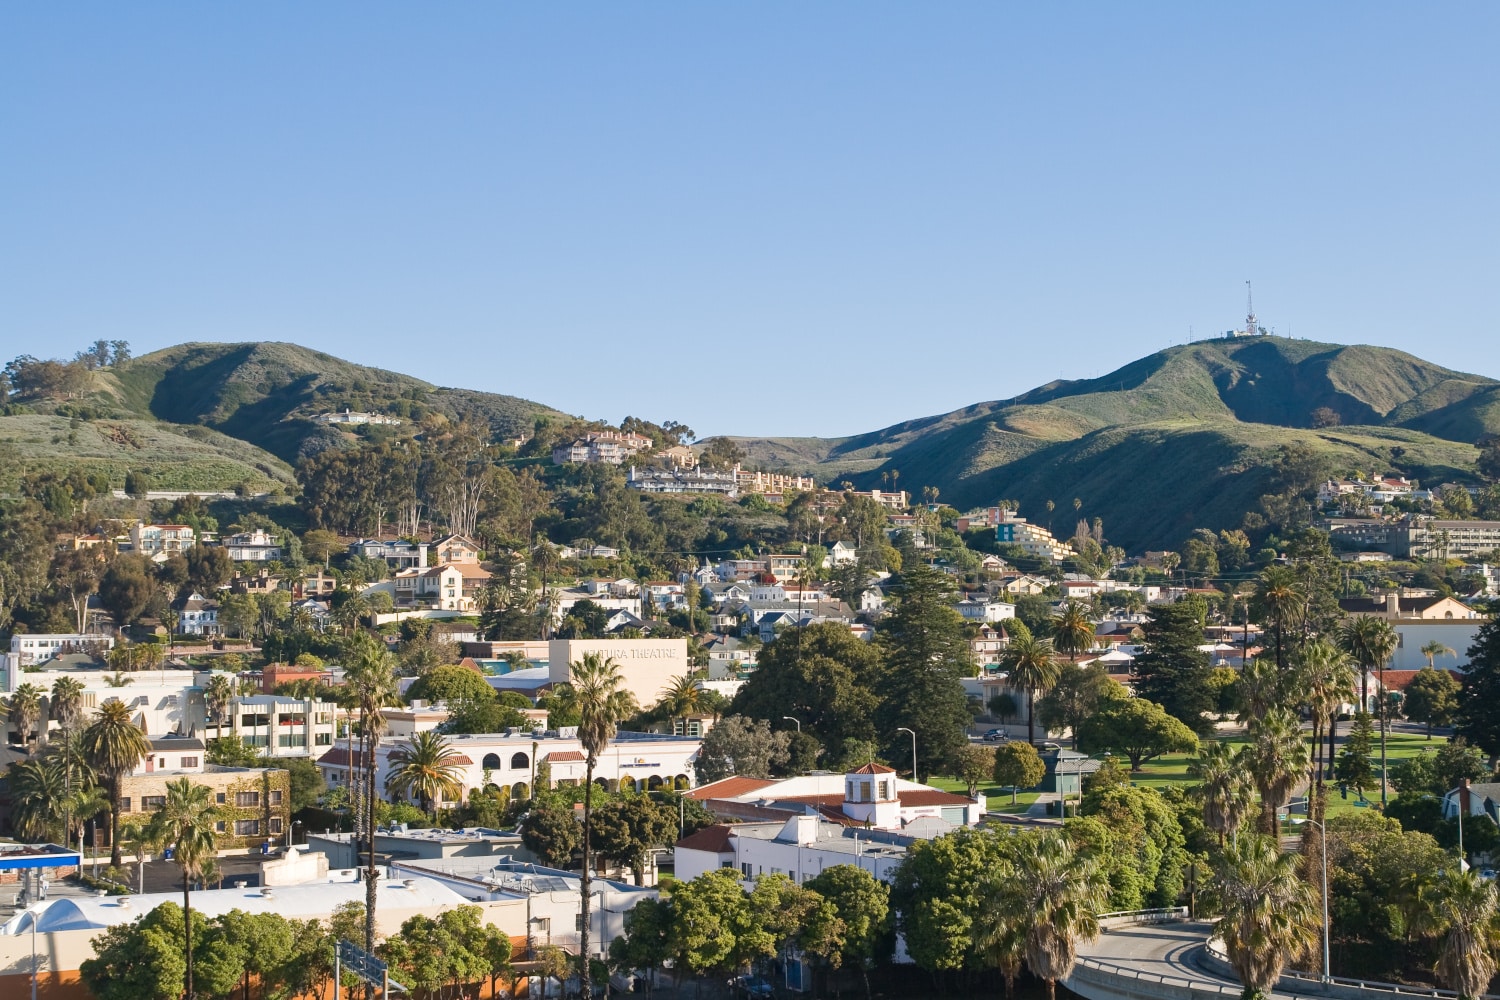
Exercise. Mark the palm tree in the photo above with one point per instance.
(1271, 914)
(186, 821)
(1462, 907)
(681, 697)
(1073, 630)
(1279, 595)
(371, 681)
(67, 702)
(1032, 666)
(82, 797)
(25, 710)
(1258, 690)
(426, 769)
(1053, 902)
(218, 694)
(602, 703)
(1000, 940)
(37, 797)
(1371, 642)
(114, 746)
(1325, 676)
(1277, 760)
(140, 838)
(1225, 787)
(1434, 649)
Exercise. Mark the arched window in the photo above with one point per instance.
(681, 783)
(520, 761)
(520, 791)
(491, 762)
(654, 782)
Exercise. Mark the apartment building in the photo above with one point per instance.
(161, 539)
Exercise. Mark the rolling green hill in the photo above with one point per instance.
(269, 393)
(1181, 439)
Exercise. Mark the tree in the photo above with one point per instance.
(142, 960)
(75, 574)
(1072, 630)
(1462, 908)
(1224, 787)
(114, 746)
(1053, 901)
(1432, 697)
(186, 821)
(1277, 760)
(426, 769)
(973, 765)
(1270, 915)
(938, 889)
(1434, 649)
(602, 704)
(126, 588)
(740, 746)
(1279, 596)
(926, 658)
(483, 716)
(630, 828)
(451, 683)
(1172, 671)
(218, 694)
(1140, 729)
(371, 682)
(1078, 694)
(1478, 717)
(209, 568)
(646, 944)
(862, 904)
(1371, 641)
(1031, 666)
(1018, 765)
(550, 831)
(821, 675)
(1325, 676)
(25, 711)
(708, 916)
(1354, 766)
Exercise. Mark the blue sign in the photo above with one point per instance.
(362, 963)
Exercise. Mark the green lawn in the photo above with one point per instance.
(997, 797)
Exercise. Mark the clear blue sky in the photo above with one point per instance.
(754, 218)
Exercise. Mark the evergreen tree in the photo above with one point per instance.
(1355, 768)
(1172, 671)
(1478, 718)
(926, 657)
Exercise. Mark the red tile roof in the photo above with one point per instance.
(340, 757)
(714, 839)
(873, 768)
(729, 788)
(565, 756)
(1397, 680)
(932, 797)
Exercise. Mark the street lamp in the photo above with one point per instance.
(903, 729)
(788, 718)
(289, 831)
(1323, 840)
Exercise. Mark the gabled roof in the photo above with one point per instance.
(729, 788)
(713, 839)
(565, 757)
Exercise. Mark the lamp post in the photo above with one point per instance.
(1323, 840)
(798, 722)
(903, 729)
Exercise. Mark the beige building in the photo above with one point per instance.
(647, 665)
(254, 802)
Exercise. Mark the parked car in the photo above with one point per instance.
(995, 736)
(751, 986)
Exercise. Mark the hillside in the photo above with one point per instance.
(175, 457)
(1180, 439)
(269, 393)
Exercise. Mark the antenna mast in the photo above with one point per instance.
(1252, 328)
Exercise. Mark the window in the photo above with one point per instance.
(190, 762)
(219, 826)
(247, 828)
(219, 798)
(491, 762)
(245, 800)
(152, 802)
(292, 740)
(275, 796)
(520, 761)
(125, 804)
(275, 824)
(255, 720)
(745, 869)
(323, 739)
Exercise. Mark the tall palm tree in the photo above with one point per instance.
(186, 821)
(114, 747)
(1277, 760)
(1271, 914)
(1073, 630)
(1260, 688)
(1465, 910)
(371, 681)
(681, 697)
(1032, 666)
(37, 796)
(1325, 676)
(1371, 642)
(218, 694)
(602, 703)
(1054, 900)
(1225, 787)
(25, 710)
(67, 702)
(1000, 940)
(1432, 650)
(426, 769)
(1280, 596)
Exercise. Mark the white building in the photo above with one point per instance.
(196, 615)
(282, 727)
(161, 539)
(29, 649)
(986, 612)
(647, 666)
(1032, 539)
(253, 546)
(397, 553)
(871, 797)
(643, 760)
